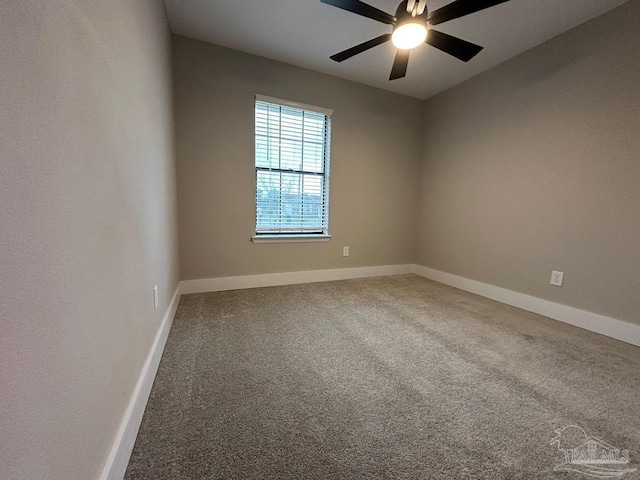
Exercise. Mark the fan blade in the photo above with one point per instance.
(461, 49)
(460, 8)
(350, 52)
(400, 63)
(361, 8)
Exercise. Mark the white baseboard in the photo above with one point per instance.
(116, 465)
(611, 327)
(289, 278)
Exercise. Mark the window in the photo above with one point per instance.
(292, 143)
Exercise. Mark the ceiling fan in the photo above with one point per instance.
(412, 27)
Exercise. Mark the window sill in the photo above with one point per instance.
(290, 238)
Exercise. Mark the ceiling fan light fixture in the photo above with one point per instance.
(409, 35)
(412, 27)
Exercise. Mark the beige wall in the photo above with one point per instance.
(535, 165)
(375, 153)
(87, 224)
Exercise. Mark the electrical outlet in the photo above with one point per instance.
(155, 297)
(345, 251)
(557, 278)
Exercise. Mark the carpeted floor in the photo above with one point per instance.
(381, 378)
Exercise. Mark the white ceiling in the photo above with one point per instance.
(307, 32)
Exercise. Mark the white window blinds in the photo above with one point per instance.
(292, 168)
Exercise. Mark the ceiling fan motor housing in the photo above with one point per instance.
(410, 28)
(407, 12)
(412, 9)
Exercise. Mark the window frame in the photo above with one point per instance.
(294, 237)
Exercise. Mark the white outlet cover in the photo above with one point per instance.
(345, 251)
(557, 278)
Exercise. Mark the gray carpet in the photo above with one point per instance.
(381, 378)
